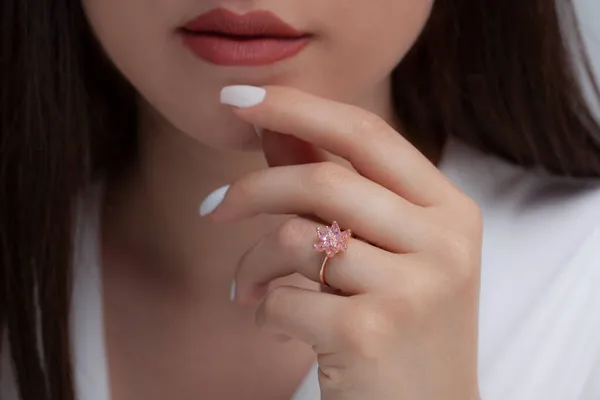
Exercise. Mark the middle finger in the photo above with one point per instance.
(331, 193)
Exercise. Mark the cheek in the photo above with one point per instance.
(139, 36)
(133, 34)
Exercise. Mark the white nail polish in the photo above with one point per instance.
(232, 291)
(242, 96)
(213, 200)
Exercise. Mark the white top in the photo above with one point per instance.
(540, 293)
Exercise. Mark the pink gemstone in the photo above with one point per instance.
(332, 240)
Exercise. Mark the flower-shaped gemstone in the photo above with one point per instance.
(332, 240)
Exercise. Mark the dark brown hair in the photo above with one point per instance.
(500, 74)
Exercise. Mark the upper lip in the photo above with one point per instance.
(260, 23)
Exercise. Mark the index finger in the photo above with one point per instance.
(373, 147)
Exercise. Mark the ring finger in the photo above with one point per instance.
(289, 249)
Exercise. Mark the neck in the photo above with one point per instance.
(151, 211)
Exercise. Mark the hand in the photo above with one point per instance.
(403, 321)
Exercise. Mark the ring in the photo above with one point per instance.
(331, 241)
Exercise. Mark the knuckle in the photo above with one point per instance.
(369, 130)
(457, 248)
(459, 241)
(368, 122)
(461, 256)
(323, 176)
(273, 303)
(365, 328)
(290, 233)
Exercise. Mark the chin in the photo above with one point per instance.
(228, 138)
(225, 131)
(240, 142)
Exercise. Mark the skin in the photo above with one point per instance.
(171, 330)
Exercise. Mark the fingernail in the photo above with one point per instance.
(257, 130)
(232, 291)
(242, 96)
(212, 201)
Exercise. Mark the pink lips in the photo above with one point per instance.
(257, 38)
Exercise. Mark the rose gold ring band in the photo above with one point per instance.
(332, 240)
(322, 270)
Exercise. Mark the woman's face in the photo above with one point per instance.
(341, 49)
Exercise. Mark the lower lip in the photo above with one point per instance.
(222, 50)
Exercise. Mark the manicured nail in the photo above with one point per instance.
(232, 291)
(242, 96)
(213, 200)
